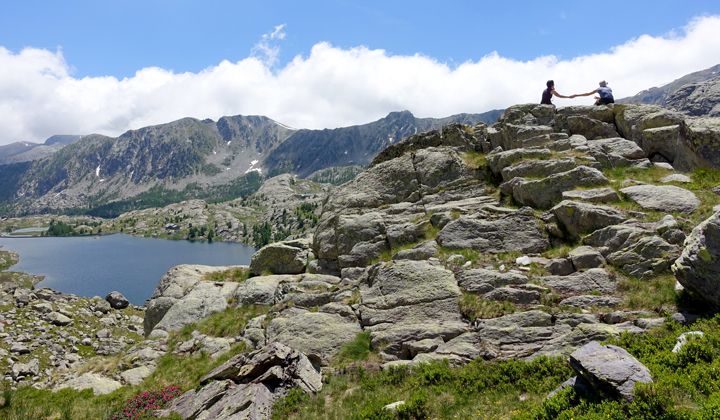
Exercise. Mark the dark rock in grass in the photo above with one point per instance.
(117, 300)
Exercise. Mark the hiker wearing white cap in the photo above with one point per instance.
(605, 95)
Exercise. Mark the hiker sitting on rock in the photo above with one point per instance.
(604, 97)
(549, 92)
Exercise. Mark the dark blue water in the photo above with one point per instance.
(97, 265)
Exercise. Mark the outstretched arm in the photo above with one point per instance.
(586, 94)
(559, 95)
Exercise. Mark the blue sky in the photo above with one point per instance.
(80, 67)
(118, 38)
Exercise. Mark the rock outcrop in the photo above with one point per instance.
(247, 385)
(698, 268)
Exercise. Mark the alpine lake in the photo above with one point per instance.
(96, 265)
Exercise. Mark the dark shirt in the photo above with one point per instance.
(546, 96)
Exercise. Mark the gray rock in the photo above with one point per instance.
(632, 120)
(280, 258)
(560, 267)
(100, 385)
(117, 300)
(192, 403)
(31, 368)
(684, 179)
(700, 139)
(589, 301)
(544, 193)
(576, 217)
(594, 195)
(423, 251)
(316, 334)
(497, 161)
(182, 298)
(407, 301)
(57, 318)
(609, 369)
(519, 296)
(634, 248)
(584, 257)
(480, 280)
(538, 168)
(663, 198)
(590, 127)
(593, 280)
(519, 231)
(698, 268)
(247, 385)
(616, 152)
(98, 304)
(135, 376)
(19, 348)
(43, 307)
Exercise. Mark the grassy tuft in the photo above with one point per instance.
(238, 275)
(475, 307)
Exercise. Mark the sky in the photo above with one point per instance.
(81, 67)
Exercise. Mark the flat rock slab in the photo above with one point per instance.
(667, 198)
(519, 231)
(594, 195)
(590, 281)
(609, 369)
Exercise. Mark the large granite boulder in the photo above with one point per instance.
(701, 143)
(631, 120)
(406, 301)
(281, 258)
(609, 369)
(668, 198)
(183, 296)
(698, 268)
(577, 218)
(319, 335)
(544, 193)
(590, 127)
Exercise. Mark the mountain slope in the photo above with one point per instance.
(308, 151)
(99, 169)
(660, 95)
(24, 151)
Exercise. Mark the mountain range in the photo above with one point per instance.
(24, 151)
(197, 158)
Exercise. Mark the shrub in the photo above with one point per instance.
(145, 402)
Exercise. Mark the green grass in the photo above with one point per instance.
(477, 390)
(228, 323)
(686, 386)
(358, 350)
(237, 275)
(654, 293)
(475, 307)
(474, 160)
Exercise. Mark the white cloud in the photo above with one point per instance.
(268, 48)
(330, 87)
